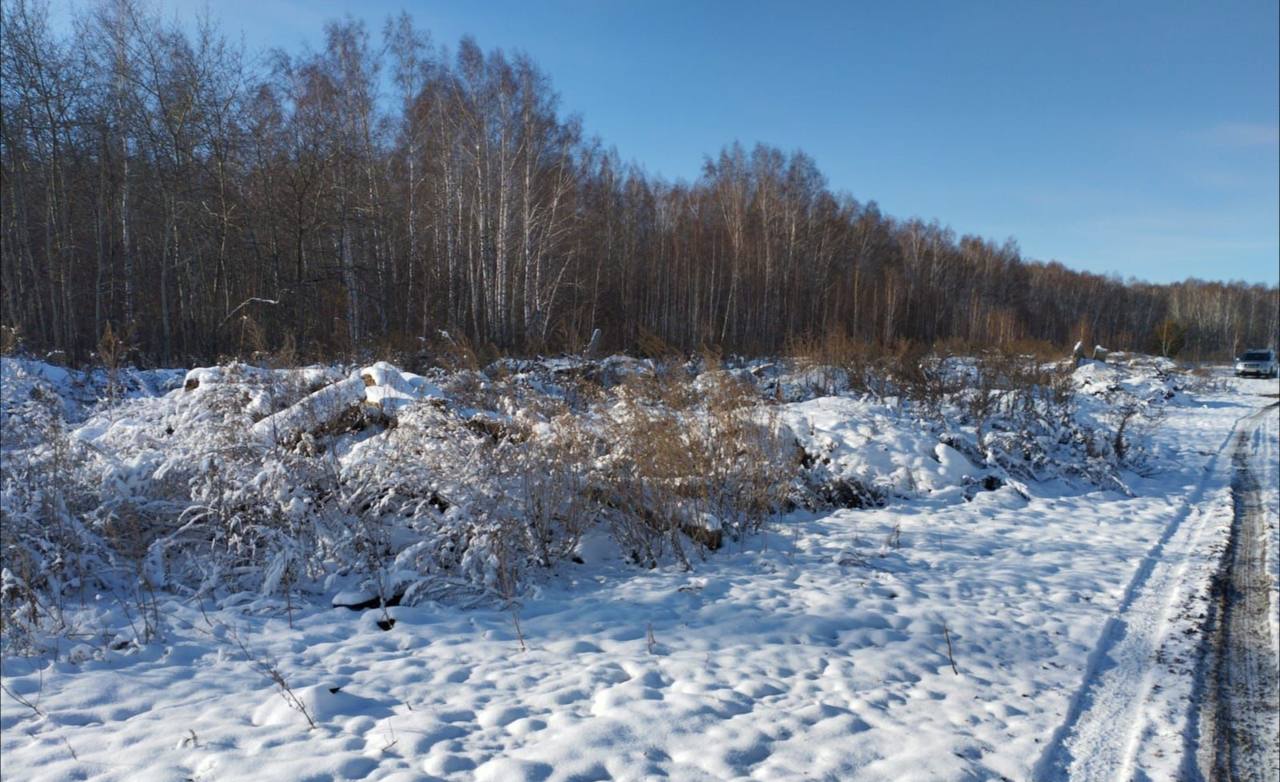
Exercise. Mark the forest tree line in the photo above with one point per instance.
(373, 192)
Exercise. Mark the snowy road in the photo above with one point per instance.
(1123, 722)
(1240, 715)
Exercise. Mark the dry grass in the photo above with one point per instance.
(694, 461)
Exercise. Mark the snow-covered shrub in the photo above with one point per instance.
(421, 494)
(556, 471)
(749, 463)
(1021, 411)
(836, 363)
(1014, 415)
(47, 550)
(691, 460)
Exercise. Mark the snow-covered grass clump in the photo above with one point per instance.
(271, 486)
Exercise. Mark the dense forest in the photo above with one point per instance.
(371, 193)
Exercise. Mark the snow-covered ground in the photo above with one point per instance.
(1043, 628)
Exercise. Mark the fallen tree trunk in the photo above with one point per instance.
(311, 413)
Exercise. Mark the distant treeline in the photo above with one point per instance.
(373, 192)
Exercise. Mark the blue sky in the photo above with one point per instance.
(1134, 138)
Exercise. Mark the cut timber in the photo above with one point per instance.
(203, 376)
(232, 373)
(380, 390)
(389, 389)
(312, 412)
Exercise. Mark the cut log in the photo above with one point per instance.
(311, 413)
(379, 390)
(389, 389)
(231, 373)
(205, 375)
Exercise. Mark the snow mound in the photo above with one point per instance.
(864, 444)
(323, 703)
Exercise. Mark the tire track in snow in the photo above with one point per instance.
(1099, 737)
(1240, 710)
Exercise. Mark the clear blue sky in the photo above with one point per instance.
(1135, 138)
